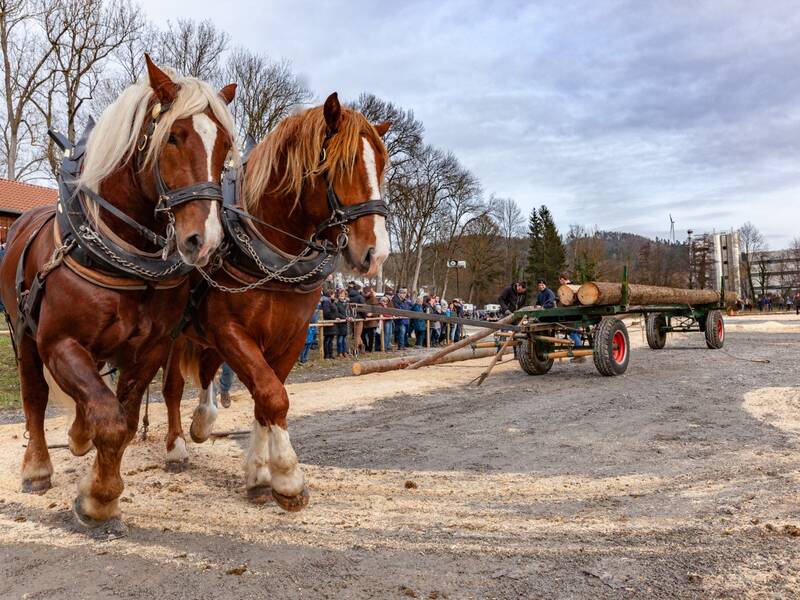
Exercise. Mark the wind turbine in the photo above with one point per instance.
(671, 229)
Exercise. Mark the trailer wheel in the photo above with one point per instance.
(715, 330)
(654, 328)
(612, 347)
(531, 359)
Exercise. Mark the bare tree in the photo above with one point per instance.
(267, 92)
(193, 49)
(129, 60)
(83, 34)
(404, 138)
(422, 188)
(511, 224)
(463, 207)
(751, 242)
(26, 72)
(482, 254)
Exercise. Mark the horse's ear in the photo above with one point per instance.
(332, 111)
(165, 89)
(382, 128)
(228, 93)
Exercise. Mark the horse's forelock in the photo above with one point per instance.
(111, 143)
(290, 153)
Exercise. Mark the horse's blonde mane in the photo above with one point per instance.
(114, 138)
(290, 153)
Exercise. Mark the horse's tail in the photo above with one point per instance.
(189, 361)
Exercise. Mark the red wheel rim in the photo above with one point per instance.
(720, 330)
(619, 349)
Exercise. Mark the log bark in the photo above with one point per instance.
(394, 364)
(479, 335)
(567, 294)
(599, 293)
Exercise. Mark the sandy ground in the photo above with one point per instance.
(679, 479)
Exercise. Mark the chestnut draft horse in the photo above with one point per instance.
(316, 177)
(151, 173)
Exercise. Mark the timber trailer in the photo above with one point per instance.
(541, 332)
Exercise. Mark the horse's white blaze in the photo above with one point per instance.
(178, 452)
(256, 465)
(381, 251)
(207, 131)
(213, 229)
(287, 478)
(368, 155)
(381, 240)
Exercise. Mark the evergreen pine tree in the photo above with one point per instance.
(535, 264)
(554, 255)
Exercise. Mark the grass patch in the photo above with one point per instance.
(9, 378)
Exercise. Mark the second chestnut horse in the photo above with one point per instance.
(326, 156)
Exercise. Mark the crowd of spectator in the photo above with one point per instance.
(772, 302)
(347, 330)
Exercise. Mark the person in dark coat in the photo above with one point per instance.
(512, 298)
(545, 298)
(370, 324)
(329, 313)
(354, 296)
(341, 327)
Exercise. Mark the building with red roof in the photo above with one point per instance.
(16, 197)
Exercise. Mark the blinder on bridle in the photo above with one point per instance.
(341, 214)
(168, 198)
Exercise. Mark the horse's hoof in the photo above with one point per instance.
(196, 438)
(110, 529)
(260, 494)
(292, 503)
(177, 466)
(36, 486)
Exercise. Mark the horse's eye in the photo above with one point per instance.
(172, 139)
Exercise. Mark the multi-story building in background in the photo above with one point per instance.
(714, 260)
(775, 272)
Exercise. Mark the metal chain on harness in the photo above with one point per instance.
(87, 234)
(276, 274)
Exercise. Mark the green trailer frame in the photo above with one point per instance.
(543, 333)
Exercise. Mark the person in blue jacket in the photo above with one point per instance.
(545, 298)
(401, 332)
(311, 336)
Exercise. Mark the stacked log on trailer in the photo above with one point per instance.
(601, 293)
(568, 294)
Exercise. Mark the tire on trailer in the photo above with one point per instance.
(654, 329)
(612, 347)
(715, 330)
(531, 360)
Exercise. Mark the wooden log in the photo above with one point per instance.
(566, 294)
(477, 336)
(568, 353)
(602, 293)
(394, 364)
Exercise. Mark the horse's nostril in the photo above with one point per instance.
(193, 242)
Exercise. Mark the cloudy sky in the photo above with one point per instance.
(612, 113)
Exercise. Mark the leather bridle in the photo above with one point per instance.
(168, 198)
(341, 214)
